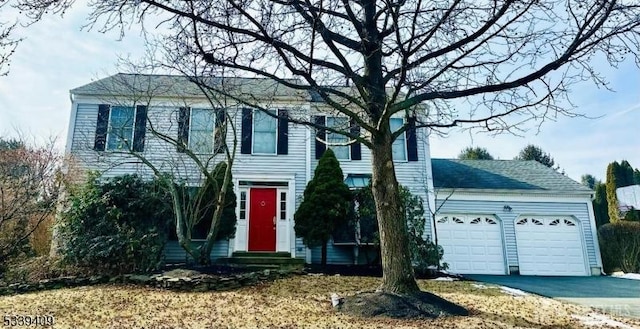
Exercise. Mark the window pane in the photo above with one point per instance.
(264, 132)
(121, 124)
(399, 147)
(341, 152)
(202, 119)
(243, 205)
(201, 134)
(283, 205)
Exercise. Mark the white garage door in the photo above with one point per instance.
(549, 246)
(472, 244)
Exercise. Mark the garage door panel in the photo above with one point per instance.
(460, 235)
(549, 246)
(471, 245)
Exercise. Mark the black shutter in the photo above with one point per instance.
(283, 132)
(101, 127)
(220, 131)
(140, 128)
(412, 143)
(247, 126)
(321, 136)
(356, 148)
(183, 129)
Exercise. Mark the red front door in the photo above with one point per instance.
(262, 214)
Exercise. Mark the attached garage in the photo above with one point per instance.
(472, 244)
(550, 246)
(544, 222)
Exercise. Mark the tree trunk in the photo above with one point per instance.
(217, 215)
(398, 276)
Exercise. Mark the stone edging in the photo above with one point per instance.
(197, 283)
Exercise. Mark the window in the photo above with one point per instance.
(283, 205)
(243, 205)
(264, 132)
(399, 147)
(120, 130)
(340, 123)
(201, 134)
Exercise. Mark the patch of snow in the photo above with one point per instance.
(513, 291)
(630, 276)
(444, 278)
(596, 319)
(479, 286)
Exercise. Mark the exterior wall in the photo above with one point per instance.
(163, 115)
(300, 161)
(579, 210)
(174, 253)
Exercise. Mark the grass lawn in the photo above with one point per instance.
(296, 302)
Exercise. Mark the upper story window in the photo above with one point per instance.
(201, 134)
(339, 123)
(201, 130)
(399, 148)
(265, 131)
(121, 128)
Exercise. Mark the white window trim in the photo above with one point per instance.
(253, 133)
(133, 128)
(213, 133)
(326, 142)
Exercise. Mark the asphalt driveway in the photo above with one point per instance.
(613, 295)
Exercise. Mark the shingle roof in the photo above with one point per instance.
(501, 175)
(123, 84)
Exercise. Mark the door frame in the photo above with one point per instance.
(285, 235)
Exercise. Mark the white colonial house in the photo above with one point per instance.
(492, 217)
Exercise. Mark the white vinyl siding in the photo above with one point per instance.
(265, 132)
(342, 152)
(201, 134)
(399, 147)
(120, 131)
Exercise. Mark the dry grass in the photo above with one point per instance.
(297, 302)
(40, 239)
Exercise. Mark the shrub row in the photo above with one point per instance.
(620, 246)
(115, 226)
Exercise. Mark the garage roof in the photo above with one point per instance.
(501, 175)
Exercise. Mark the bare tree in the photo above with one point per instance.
(493, 65)
(29, 188)
(24, 13)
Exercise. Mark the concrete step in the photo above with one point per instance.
(264, 260)
(258, 254)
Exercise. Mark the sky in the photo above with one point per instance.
(58, 55)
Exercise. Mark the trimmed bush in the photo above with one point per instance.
(620, 246)
(325, 205)
(116, 226)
